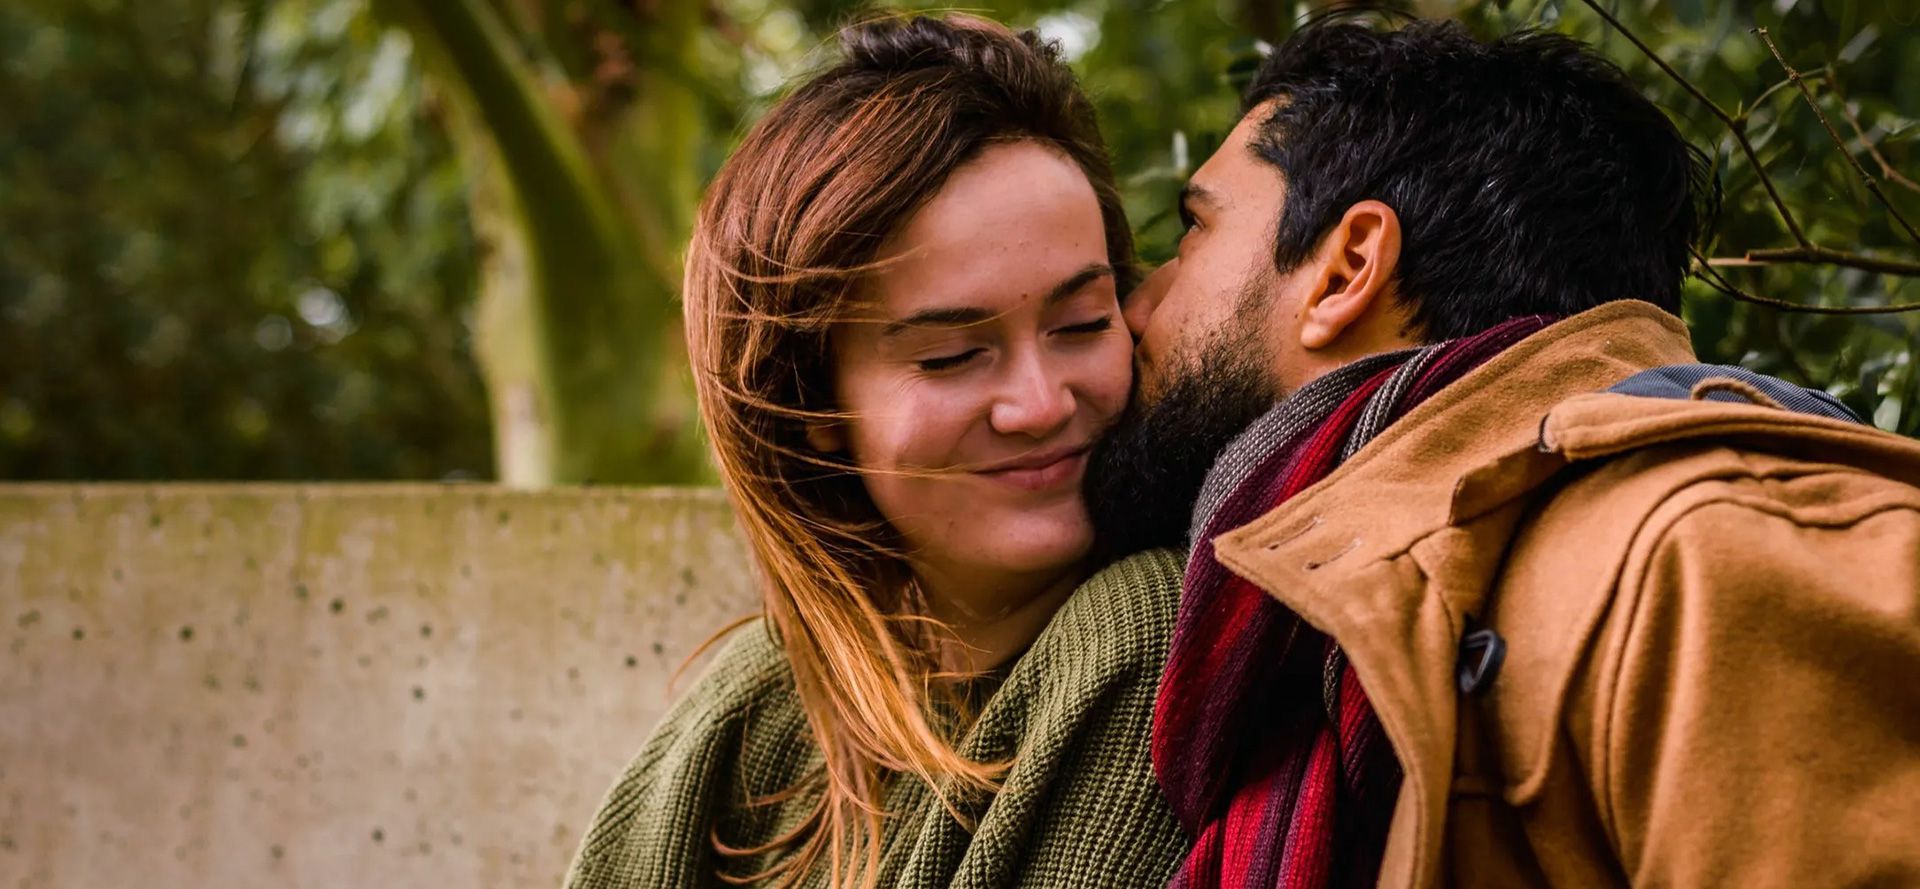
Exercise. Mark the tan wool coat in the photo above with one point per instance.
(1710, 614)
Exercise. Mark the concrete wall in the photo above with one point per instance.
(341, 686)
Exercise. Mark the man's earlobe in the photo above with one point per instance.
(1358, 260)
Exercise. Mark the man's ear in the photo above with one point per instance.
(827, 436)
(1358, 259)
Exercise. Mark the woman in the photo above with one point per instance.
(903, 317)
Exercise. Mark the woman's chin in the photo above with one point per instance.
(1027, 545)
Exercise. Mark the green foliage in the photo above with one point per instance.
(240, 235)
(1872, 52)
(235, 248)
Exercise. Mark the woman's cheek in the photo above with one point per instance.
(923, 427)
(1110, 379)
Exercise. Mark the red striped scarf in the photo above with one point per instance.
(1263, 738)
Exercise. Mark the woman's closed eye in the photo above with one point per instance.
(956, 360)
(939, 363)
(1097, 325)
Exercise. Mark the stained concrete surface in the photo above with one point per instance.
(335, 686)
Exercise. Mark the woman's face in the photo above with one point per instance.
(987, 357)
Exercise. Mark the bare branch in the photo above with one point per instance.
(1807, 252)
(1873, 185)
(1816, 74)
(1817, 255)
(1886, 169)
(1736, 127)
(1711, 275)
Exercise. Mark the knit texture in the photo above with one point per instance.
(1264, 737)
(1079, 807)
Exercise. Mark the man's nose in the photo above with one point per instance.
(1145, 298)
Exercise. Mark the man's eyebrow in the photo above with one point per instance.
(963, 316)
(1195, 193)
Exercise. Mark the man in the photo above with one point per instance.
(1455, 612)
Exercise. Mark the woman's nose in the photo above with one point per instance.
(1035, 401)
(1145, 298)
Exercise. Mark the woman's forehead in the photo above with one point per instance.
(1010, 225)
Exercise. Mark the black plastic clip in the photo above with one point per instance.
(1482, 652)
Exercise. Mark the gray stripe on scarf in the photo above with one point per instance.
(1306, 408)
(1379, 410)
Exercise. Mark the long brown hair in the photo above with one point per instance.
(786, 230)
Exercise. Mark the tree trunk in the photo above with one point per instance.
(578, 327)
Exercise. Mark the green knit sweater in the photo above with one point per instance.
(1079, 807)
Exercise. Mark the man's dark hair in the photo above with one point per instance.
(1529, 175)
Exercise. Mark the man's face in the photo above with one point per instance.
(1223, 275)
(1210, 326)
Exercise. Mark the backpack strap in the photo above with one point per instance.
(1683, 381)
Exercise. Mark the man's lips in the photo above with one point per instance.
(1041, 470)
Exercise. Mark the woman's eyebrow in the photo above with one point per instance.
(963, 316)
(955, 317)
(1092, 272)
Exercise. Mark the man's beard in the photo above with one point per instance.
(1145, 475)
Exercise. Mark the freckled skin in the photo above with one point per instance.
(1032, 376)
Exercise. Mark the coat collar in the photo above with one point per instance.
(1442, 486)
(1450, 461)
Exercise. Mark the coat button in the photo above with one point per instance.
(1482, 652)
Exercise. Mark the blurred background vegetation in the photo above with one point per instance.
(438, 239)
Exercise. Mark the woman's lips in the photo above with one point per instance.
(1045, 473)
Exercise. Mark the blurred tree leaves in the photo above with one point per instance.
(1871, 49)
(235, 246)
(240, 236)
